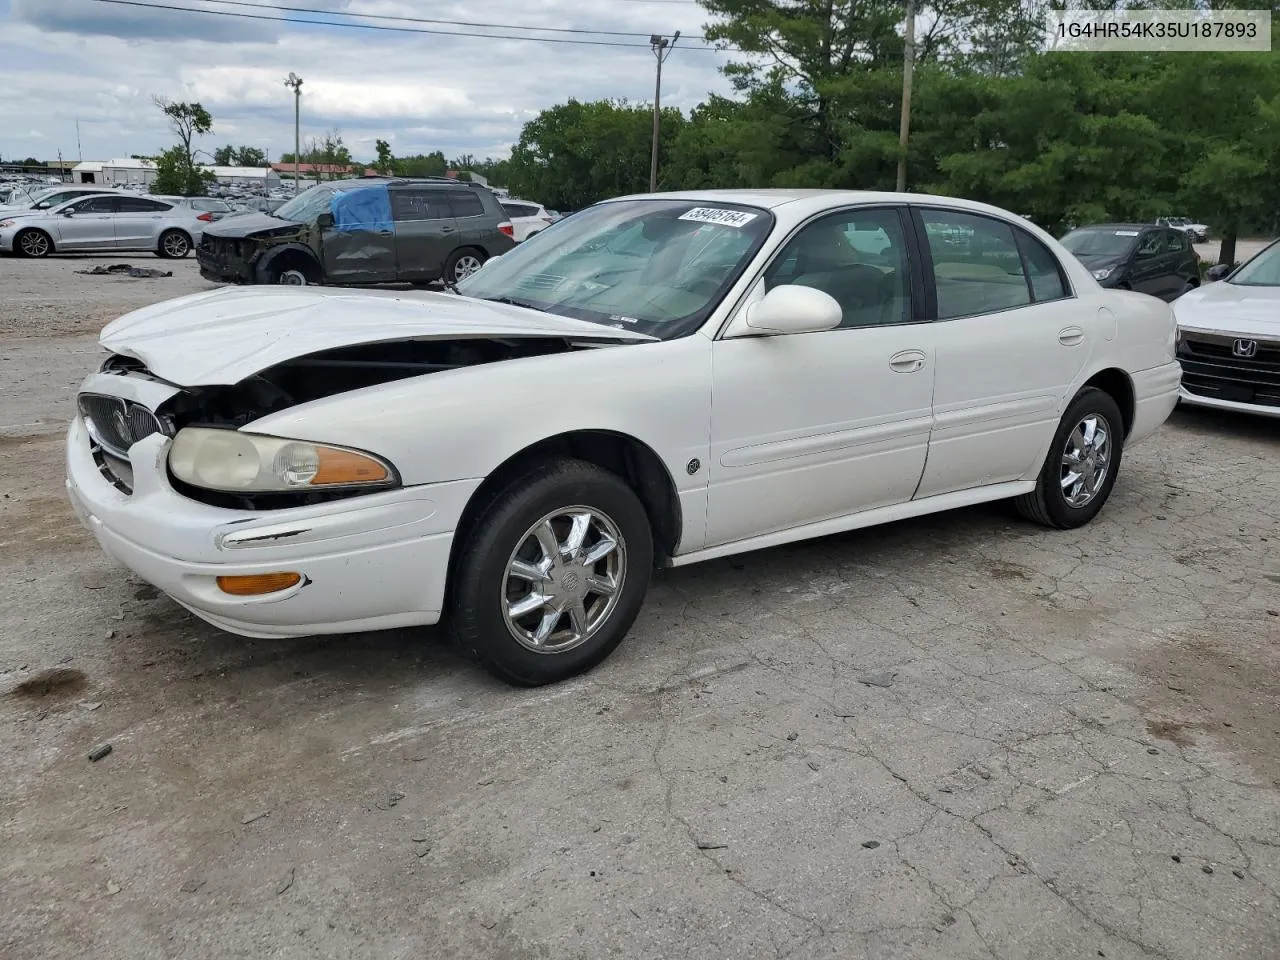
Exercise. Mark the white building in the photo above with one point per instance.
(260, 179)
(124, 172)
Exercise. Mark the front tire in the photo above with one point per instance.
(33, 243)
(1080, 470)
(174, 245)
(552, 574)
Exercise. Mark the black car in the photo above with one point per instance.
(1137, 256)
(356, 232)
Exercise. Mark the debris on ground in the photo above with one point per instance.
(125, 270)
(871, 844)
(883, 678)
(97, 753)
(255, 816)
(286, 882)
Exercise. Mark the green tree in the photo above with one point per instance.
(188, 121)
(177, 176)
(251, 157)
(385, 159)
(576, 153)
(225, 156)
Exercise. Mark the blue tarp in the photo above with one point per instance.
(362, 209)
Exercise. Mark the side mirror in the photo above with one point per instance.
(68, 213)
(324, 220)
(793, 309)
(1217, 271)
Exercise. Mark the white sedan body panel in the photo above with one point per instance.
(765, 439)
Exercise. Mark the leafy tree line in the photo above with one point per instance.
(1062, 137)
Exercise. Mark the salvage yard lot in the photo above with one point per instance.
(960, 736)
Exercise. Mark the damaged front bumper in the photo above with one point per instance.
(222, 261)
(371, 563)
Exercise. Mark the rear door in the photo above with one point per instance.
(425, 232)
(1011, 339)
(138, 222)
(469, 216)
(87, 225)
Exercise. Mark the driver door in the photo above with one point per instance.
(814, 426)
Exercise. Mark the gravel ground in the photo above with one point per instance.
(956, 737)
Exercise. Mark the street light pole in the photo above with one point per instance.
(661, 50)
(908, 67)
(295, 82)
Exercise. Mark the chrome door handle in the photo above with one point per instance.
(907, 361)
(1070, 336)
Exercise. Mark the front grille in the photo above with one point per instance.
(117, 424)
(1211, 368)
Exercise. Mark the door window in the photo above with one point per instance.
(141, 205)
(977, 267)
(465, 204)
(1151, 244)
(418, 205)
(519, 210)
(859, 257)
(1176, 242)
(1043, 269)
(96, 205)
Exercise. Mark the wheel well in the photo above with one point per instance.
(46, 233)
(1120, 387)
(296, 260)
(625, 456)
(166, 232)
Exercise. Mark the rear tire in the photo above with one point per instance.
(527, 600)
(174, 245)
(1081, 467)
(463, 263)
(33, 243)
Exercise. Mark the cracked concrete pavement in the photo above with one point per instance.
(955, 737)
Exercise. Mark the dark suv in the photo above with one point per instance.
(372, 230)
(1137, 256)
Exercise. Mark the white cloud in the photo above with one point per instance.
(102, 63)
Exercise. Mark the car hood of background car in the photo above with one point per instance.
(242, 225)
(1100, 261)
(1231, 308)
(225, 335)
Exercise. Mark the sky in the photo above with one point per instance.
(102, 63)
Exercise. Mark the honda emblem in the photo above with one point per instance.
(1245, 348)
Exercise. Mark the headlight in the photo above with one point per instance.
(1103, 274)
(238, 462)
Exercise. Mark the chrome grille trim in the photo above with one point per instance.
(115, 423)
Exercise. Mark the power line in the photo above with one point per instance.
(402, 19)
(388, 28)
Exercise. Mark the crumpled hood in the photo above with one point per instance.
(244, 224)
(1100, 261)
(225, 335)
(1231, 308)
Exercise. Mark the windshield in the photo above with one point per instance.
(1262, 271)
(654, 266)
(1092, 242)
(307, 205)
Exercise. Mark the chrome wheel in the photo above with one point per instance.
(1086, 460)
(563, 579)
(175, 245)
(467, 264)
(33, 243)
(292, 278)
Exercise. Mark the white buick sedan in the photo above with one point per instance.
(654, 381)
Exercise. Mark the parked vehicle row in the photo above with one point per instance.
(659, 380)
(1198, 232)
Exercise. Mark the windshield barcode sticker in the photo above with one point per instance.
(1126, 233)
(727, 218)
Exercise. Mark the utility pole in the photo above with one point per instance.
(661, 50)
(908, 65)
(295, 82)
(79, 152)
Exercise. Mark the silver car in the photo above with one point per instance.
(103, 222)
(47, 199)
(208, 209)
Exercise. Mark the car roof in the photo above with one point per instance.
(1121, 226)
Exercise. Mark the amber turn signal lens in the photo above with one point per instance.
(343, 466)
(256, 584)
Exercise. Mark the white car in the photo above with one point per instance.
(1229, 337)
(526, 218)
(663, 379)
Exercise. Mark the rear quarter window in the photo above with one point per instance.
(466, 205)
